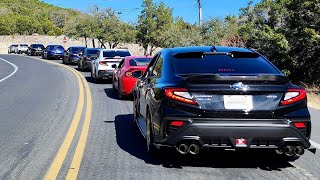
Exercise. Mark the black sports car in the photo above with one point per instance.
(35, 50)
(193, 98)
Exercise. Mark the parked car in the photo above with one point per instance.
(101, 66)
(35, 49)
(12, 48)
(22, 48)
(87, 55)
(72, 54)
(122, 79)
(53, 52)
(194, 98)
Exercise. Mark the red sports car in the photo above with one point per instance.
(122, 80)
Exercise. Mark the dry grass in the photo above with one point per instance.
(314, 100)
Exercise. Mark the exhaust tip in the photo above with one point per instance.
(194, 149)
(299, 150)
(289, 151)
(182, 148)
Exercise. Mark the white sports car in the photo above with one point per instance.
(103, 65)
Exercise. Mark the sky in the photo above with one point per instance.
(187, 9)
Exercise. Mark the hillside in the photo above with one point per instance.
(26, 17)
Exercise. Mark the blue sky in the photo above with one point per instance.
(187, 9)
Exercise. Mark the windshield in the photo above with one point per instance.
(23, 45)
(222, 65)
(139, 61)
(116, 53)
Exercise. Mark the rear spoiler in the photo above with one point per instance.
(211, 78)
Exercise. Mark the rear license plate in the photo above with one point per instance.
(238, 102)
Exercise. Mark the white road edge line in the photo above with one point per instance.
(13, 65)
(316, 145)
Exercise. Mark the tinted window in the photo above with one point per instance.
(92, 51)
(24, 45)
(158, 67)
(37, 45)
(58, 47)
(139, 61)
(77, 49)
(14, 45)
(222, 65)
(116, 53)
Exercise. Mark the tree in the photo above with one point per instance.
(153, 22)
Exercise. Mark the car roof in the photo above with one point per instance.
(115, 49)
(207, 49)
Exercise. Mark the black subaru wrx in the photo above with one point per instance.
(192, 98)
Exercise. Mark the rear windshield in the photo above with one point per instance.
(223, 65)
(92, 51)
(37, 45)
(116, 53)
(77, 49)
(139, 61)
(24, 45)
(57, 47)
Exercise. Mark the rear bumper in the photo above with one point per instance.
(105, 74)
(127, 85)
(223, 134)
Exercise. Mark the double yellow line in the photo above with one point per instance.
(57, 163)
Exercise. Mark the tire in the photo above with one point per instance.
(113, 87)
(151, 149)
(135, 111)
(83, 68)
(96, 80)
(79, 66)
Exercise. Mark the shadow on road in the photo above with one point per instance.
(130, 140)
(111, 93)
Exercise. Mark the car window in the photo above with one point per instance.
(139, 61)
(158, 67)
(222, 65)
(92, 51)
(116, 53)
(150, 66)
(121, 64)
(77, 49)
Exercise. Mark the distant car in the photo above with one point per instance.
(53, 52)
(228, 98)
(22, 48)
(122, 80)
(72, 54)
(101, 66)
(12, 48)
(35, 49)
(84, 63)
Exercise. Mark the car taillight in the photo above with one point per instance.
(103, 63)
(128, 74)
(176, 123)
(179, 94)
(300, 125)
(293, 96)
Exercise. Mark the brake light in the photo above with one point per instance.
(176, 123)
(179, 94)
(103, 63)
(128, 74)
(299, 125)
(293, 96)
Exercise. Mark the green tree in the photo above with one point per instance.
(153, 22)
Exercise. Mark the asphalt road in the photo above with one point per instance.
(37, 106)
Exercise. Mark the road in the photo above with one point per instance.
(37, 106)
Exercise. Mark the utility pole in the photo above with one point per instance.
(200, 12)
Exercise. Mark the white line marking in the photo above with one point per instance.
(316, 145)
(13, 65)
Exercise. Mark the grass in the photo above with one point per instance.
(314, 100)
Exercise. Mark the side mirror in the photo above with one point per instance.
(137, 74)
(114, 66)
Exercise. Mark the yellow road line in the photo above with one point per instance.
(78, 155)
(56, 165)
